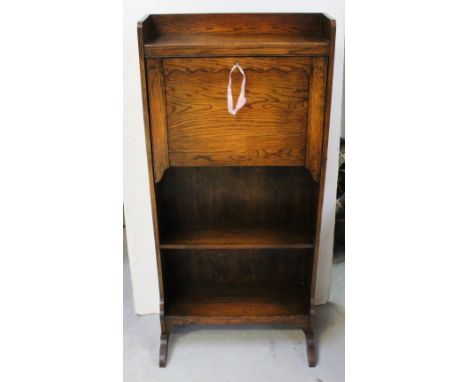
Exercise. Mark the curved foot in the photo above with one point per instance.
(311, 349)
(163, 350)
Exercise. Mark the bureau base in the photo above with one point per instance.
(237, 198)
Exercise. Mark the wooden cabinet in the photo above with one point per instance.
(237, 193)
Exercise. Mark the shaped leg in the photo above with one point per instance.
(163, 350)
(311, 348)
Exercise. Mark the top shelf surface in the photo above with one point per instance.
(235, 34)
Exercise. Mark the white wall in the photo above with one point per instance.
(136, 192)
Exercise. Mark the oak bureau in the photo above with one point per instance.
(236, 111)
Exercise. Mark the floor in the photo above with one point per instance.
(205, 354)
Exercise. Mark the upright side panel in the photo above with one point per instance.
(143, 29)
(330, 28)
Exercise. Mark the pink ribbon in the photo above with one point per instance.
(241, 101)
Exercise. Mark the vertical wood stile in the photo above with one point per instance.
(317, 89)
(157, 116)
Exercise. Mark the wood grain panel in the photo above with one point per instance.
(316, 115)
(157, 114)
(269, 130)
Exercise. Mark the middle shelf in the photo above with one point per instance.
(193, 235)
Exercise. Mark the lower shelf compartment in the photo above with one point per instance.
(239, 301)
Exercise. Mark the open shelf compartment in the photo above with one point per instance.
(236, 241)
(237, 283)
(236, 207)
